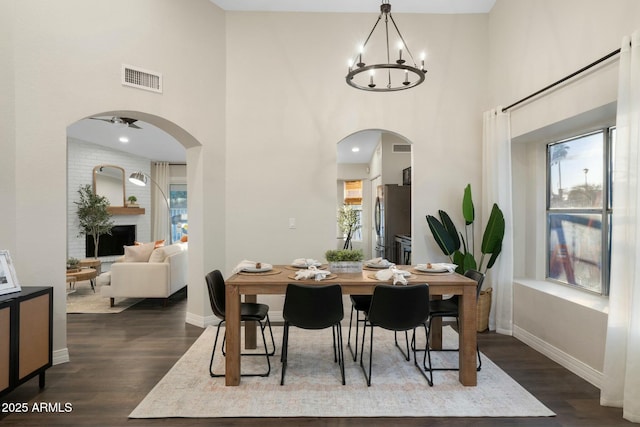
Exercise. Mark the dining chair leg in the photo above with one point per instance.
(354, 353)
(479, 366)
(406, 338)
(283, 355)
(213, 353)
(364, 334)
(427, 355)
(341, 352)
(273, 342)
(335, 353)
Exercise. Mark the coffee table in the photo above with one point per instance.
(83, 274)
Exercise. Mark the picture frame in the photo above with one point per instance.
(8, 279)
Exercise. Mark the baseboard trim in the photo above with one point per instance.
(60, 356)
(567, 361)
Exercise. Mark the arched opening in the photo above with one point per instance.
(131, 141)
(380, 161)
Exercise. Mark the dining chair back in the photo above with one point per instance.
(398, 308)
(254, 312)
(313, 307)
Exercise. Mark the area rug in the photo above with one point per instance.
(83, 300)
(313, 386)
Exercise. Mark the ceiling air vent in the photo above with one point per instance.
(142, 79)
(401, 148)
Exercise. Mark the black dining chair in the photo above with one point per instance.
(313, 307)
(450, 308)
(398, 309)
(255, 312)
(359, 304)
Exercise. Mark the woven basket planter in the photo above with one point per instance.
(484, 307)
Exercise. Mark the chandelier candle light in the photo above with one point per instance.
(398, 73)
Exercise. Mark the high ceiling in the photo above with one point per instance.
(152, 143)
(360, 6)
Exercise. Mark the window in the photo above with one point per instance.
(178, 211)
(352, 191)
(579, 173)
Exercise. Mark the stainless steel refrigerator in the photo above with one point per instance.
(392, 217)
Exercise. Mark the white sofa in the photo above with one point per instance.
(158, 275)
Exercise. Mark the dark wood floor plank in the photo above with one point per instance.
(116, 359)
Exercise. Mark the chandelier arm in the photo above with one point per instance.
(386, 31)
(402, 39)
(368, 37)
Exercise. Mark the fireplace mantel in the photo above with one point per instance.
(125, 211)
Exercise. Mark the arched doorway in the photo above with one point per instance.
(376, 158)
(130, 141)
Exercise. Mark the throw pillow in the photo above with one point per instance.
(156, 244)
(157, 255)
(138, 253)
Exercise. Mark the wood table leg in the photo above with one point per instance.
(250, 328)
(435, 333)
(468, 337)
(232, 317)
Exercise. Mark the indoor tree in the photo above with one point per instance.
(93, 216)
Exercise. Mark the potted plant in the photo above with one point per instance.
(72, 263)
(450, 240)
(344, 260)
(132, 201)
(93, 217)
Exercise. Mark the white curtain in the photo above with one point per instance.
(161, 208)
(496, 188)
(621, 373)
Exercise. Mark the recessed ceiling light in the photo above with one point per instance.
(355, 149)
(124, 139)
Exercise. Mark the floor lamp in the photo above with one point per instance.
(140, 178)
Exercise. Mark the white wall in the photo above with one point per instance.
(534, 43)
(299, 106)
(284, 121)
(66, 59)
(393, 163)
(82, 157)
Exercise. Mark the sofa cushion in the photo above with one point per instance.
(138, 253)
(161, 253)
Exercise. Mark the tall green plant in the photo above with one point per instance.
(93, 217)
(461, 249)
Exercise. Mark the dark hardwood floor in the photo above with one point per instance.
(117, 358)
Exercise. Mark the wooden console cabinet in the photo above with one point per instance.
(26, 336)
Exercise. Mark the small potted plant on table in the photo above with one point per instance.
(132, 201)
(345, 260)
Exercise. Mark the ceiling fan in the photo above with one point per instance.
(120, 121)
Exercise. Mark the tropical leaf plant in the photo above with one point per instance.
(461, 249)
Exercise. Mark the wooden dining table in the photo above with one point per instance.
(275, 282)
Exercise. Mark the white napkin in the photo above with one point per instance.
(382, 262)
(440, 265)
(312, 273)
(399, 276)
(304, 262)
(245, 264)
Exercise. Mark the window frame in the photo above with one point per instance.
(604, 212)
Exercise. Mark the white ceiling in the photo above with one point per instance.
(373, 6)
(149, 142)
(153, 143)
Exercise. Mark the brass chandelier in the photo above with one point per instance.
(396, 75)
